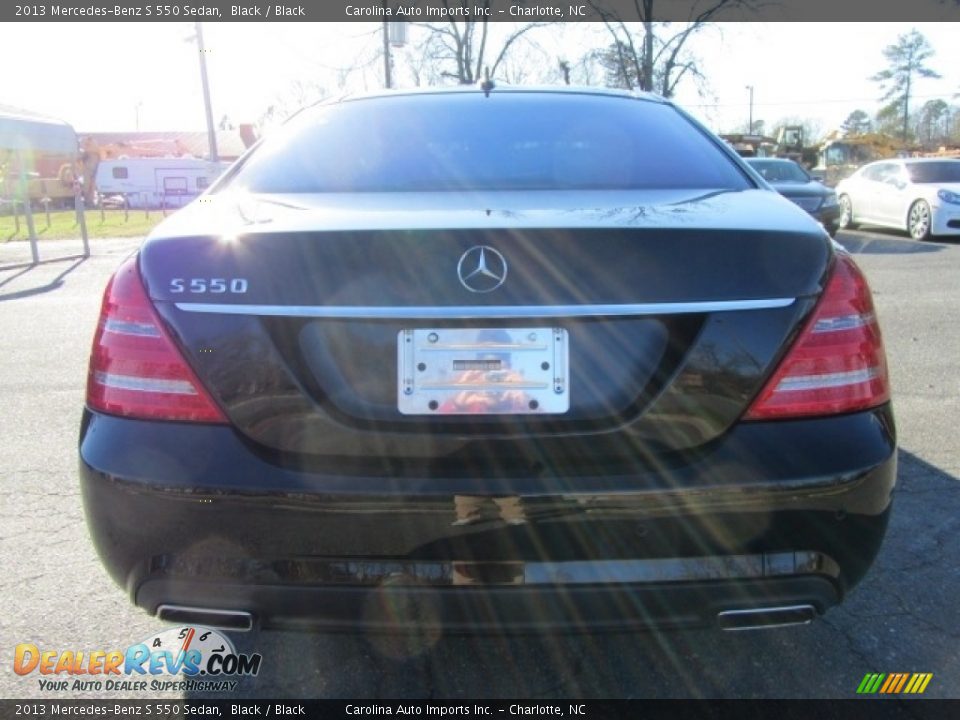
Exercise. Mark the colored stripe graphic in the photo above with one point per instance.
(870, 683)
(923, 679)
(890, 680)
(894, 683)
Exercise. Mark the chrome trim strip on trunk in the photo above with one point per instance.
(464, 312)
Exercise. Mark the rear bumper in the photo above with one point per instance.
(777, 514)
(390, 608)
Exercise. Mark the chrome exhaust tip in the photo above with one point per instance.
(768, 617)
(238, 620)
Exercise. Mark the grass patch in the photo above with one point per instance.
(63, 225)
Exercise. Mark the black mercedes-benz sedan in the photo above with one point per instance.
(488, 360)
(801, 188)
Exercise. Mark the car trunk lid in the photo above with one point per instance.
(673, 307)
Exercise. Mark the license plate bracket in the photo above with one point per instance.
(483, 371)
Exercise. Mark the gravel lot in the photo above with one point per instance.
(902, 618)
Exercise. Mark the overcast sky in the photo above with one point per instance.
(98, 76)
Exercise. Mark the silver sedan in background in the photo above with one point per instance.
(921, 196)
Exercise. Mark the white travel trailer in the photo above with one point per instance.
(157, 182)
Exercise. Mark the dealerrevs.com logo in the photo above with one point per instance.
(205, 658)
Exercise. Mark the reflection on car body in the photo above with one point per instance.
(711, 442)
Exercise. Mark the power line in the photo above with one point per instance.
(940, 96)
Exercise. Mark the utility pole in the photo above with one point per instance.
(211, 132)
(386, 50)
(750, 131)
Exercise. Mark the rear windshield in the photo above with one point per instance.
(510, 141)
(934, 172)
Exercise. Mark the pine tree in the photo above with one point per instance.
(906, 61)
(857, 123)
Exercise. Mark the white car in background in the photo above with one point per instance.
(920, 195)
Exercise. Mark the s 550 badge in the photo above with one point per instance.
(217, 286)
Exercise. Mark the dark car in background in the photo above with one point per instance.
(513, 360)
(801, 188)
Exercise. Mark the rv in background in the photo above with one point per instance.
(156, 182)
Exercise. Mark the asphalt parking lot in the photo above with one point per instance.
(902, 618)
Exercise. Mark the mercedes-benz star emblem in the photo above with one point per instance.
(482, 269)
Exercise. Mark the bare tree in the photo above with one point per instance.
(932, 124)
(952, 124)
(619, 65)
(655, 56)
(465, 49)
(527, 64)
(591, 69)
(417, 60)
(298, 94)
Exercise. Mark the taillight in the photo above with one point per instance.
(136, 369)
(837, 364)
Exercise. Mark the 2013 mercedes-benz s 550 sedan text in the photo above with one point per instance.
(488, 360)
